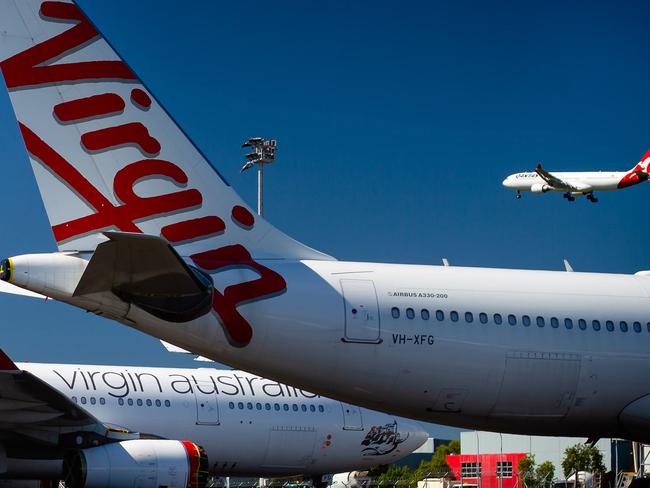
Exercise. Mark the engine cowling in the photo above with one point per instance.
(142, 462)
(540, 188)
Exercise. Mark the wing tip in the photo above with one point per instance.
(6, 364)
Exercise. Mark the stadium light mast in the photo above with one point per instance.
(262, 152)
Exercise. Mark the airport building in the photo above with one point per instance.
(489, 449)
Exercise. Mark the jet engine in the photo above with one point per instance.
(142, 462)
(540, 188)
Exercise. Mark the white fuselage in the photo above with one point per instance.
(592, 180)
(246, 424)
(573, 379)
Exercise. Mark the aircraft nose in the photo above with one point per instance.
(507, 182)
(416, 434)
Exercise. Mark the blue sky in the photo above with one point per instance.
(396, 123)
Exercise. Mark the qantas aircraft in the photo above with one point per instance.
(150, 235)
(95, 426)
(578, 183)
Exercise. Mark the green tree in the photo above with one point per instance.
(545, 473)
(526, 466)
(582, 457)
(395, 475)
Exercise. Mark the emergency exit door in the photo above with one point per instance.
(361, 311)
(207, 408)
(351, 417)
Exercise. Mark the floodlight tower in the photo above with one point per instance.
(262, 152)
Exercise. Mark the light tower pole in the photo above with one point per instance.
(262, 152)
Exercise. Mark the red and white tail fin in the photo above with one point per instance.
(106, 155)
(644, 164)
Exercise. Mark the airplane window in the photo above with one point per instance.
(582, 323)
(295, 407)
(483, 318)
(410, 313)
(469, 317)
(102, 401)
(92, 400)
(149, 402)
(139, 402)
(83, 400)
(231, 405)
(303, 407)
(321, 409)
(258, 406)
(512, 320)
(623, 325)
(453, 315)
(120, 401)
(168, 403)
(568, 323)
(595, 324)
(240, 405)
(424, 313)
(637, 327)
(267, 406)
(540, 321)
(158, 403)
(525, 320)
(276, 406)
(249, 405)
(440, 315)
(555, 323)
(312, 408)
(130, 402)
(394, 312)
(497, 318)
(285, 407)
(610, 325)
(74, 398)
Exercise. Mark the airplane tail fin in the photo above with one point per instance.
(105, 153)
(643, 165)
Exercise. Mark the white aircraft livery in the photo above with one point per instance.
(150, 235)
(578, 183)
(110, 426)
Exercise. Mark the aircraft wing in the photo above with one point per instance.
(554, 181)
(35, 414)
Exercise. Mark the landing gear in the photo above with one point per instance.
(569, 197)
(518, 196)
(592, 198)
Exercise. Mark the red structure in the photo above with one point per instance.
(484, 470)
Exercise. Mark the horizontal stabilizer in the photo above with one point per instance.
(6, 287)
(172, 348)
(146, 271)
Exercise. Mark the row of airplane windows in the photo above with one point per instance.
(526, 320)
(129, 401)
(276, 406)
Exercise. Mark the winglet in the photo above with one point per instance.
(6, 364)
(538, 168)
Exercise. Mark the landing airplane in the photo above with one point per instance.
(150, 235)
(578, 183)
(108, 426)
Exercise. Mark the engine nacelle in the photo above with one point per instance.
(540, 188)
(55, 275)
(142, 462)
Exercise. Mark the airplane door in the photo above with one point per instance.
(351, 417)
(361, 311)
(207, 408)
